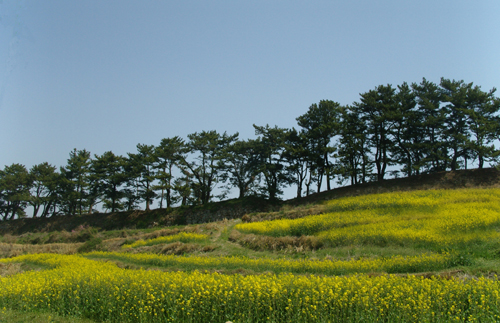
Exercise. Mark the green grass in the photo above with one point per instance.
(415, 210)
(10, 316)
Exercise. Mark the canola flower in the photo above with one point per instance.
(436, 217)
(394, 264)
(182, 237)
(103, 292)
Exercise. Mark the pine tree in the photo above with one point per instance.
(297, 157)
(272, 163)
(408, 131)
(434, 153)
(454, 95)
(141, 173)
(209, 149)
(109, 172)
(15, 185)
(321, 124)
(483, 122)
(378, 107)
(353, 152)
(74, 182)
(168, 154)
(241, 166)
(44, 188)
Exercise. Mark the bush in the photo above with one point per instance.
(460, 259)
(94, 244)
(83, 233)
(60, 237)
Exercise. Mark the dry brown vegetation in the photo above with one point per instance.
(168, 232)
(287, 212)
(288, 243)
(70, 241)
(64, 242)
(8, 250)
(69, 228)
(9, 269)
(173, 248)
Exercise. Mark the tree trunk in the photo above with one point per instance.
(299, 188)
(320, 181)
(481, 161)
(35, 210)
(327, 165)
(162, 197)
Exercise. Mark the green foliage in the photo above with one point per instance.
(379, 108)
(44, 188)
(353, 151)
(108, 172)
(94, 244)
(168, 154)
(432, 117)
(460, 259)
(298, 158)
(321, 123)
(15, 183)
(141, 173)
(270, 148)
(7, 315)
(417, 129)
(75, 182)
(241, 166)
(204, 172)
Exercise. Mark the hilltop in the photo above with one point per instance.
(249, 206)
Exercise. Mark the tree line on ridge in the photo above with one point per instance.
(408, 129)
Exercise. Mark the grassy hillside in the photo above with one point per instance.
(400, 255)
(254, 207)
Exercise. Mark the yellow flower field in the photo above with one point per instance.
(395, 264)
(435, 217)
(103, 292)
(446, 224)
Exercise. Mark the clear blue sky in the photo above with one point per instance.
(107, 75)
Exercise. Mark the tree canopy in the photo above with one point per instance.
(407, 130)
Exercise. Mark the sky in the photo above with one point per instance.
(108, 75)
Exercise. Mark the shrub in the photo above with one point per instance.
(83, 233)
(260, 242)
(94, 244)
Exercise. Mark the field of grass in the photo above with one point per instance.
(421, 256)
(183, 237)
(434, 219)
